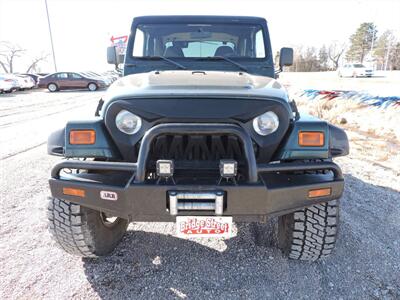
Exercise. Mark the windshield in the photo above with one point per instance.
(358, 66)
(199, 40)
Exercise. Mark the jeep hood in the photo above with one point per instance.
(180, 83)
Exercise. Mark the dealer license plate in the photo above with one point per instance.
(204, 226)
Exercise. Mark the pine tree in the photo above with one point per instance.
(361, 42)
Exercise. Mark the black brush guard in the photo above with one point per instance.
(268, 190)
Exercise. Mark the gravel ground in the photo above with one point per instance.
(152, 263)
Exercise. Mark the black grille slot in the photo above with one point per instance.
(197, 150)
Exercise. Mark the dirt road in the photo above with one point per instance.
(151, 262)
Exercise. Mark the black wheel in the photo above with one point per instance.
(82, 231)
(52, 87)
(92, 86)
(309, 233)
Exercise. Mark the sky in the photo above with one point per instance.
(82, 28)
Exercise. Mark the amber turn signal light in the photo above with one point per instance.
(74, 192)
(311, 138)
(82, 137)
(319, 193)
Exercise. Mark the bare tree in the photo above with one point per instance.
(310, 60)
(34, 65)
(8, 53)
(335, 52)
(323, 58)
(305, 59)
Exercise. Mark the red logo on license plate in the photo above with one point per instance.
(204, 226)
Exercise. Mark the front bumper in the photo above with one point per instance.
(271, 189)
(276, 194)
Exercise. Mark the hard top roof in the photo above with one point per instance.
(198, 19)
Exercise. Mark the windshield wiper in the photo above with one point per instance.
(159, 57)
(240, 66)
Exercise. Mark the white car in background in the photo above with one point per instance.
(355, 70)
(25, 82)
(7, 84)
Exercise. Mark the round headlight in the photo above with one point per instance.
(128, 122)
(266, 124)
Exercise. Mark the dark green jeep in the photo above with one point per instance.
(197, 132)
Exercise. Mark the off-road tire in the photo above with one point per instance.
(309, 233)
(81, 231)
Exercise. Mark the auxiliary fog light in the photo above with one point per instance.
(228, 168)
(165, 168)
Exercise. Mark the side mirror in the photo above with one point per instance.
(111, 55)
(285, 57)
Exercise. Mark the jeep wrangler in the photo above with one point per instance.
(199, 132)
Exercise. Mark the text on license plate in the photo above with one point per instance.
(204, 226)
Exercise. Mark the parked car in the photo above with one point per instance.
(92, 74)
(25, 82)
(43, 74)
(114, 75)
(7, 83)
(355, 70)
(35, 77)
(20, 82)
(71, 80)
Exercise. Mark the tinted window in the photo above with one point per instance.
(62, 75)
(75, 76)
(199, 40)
